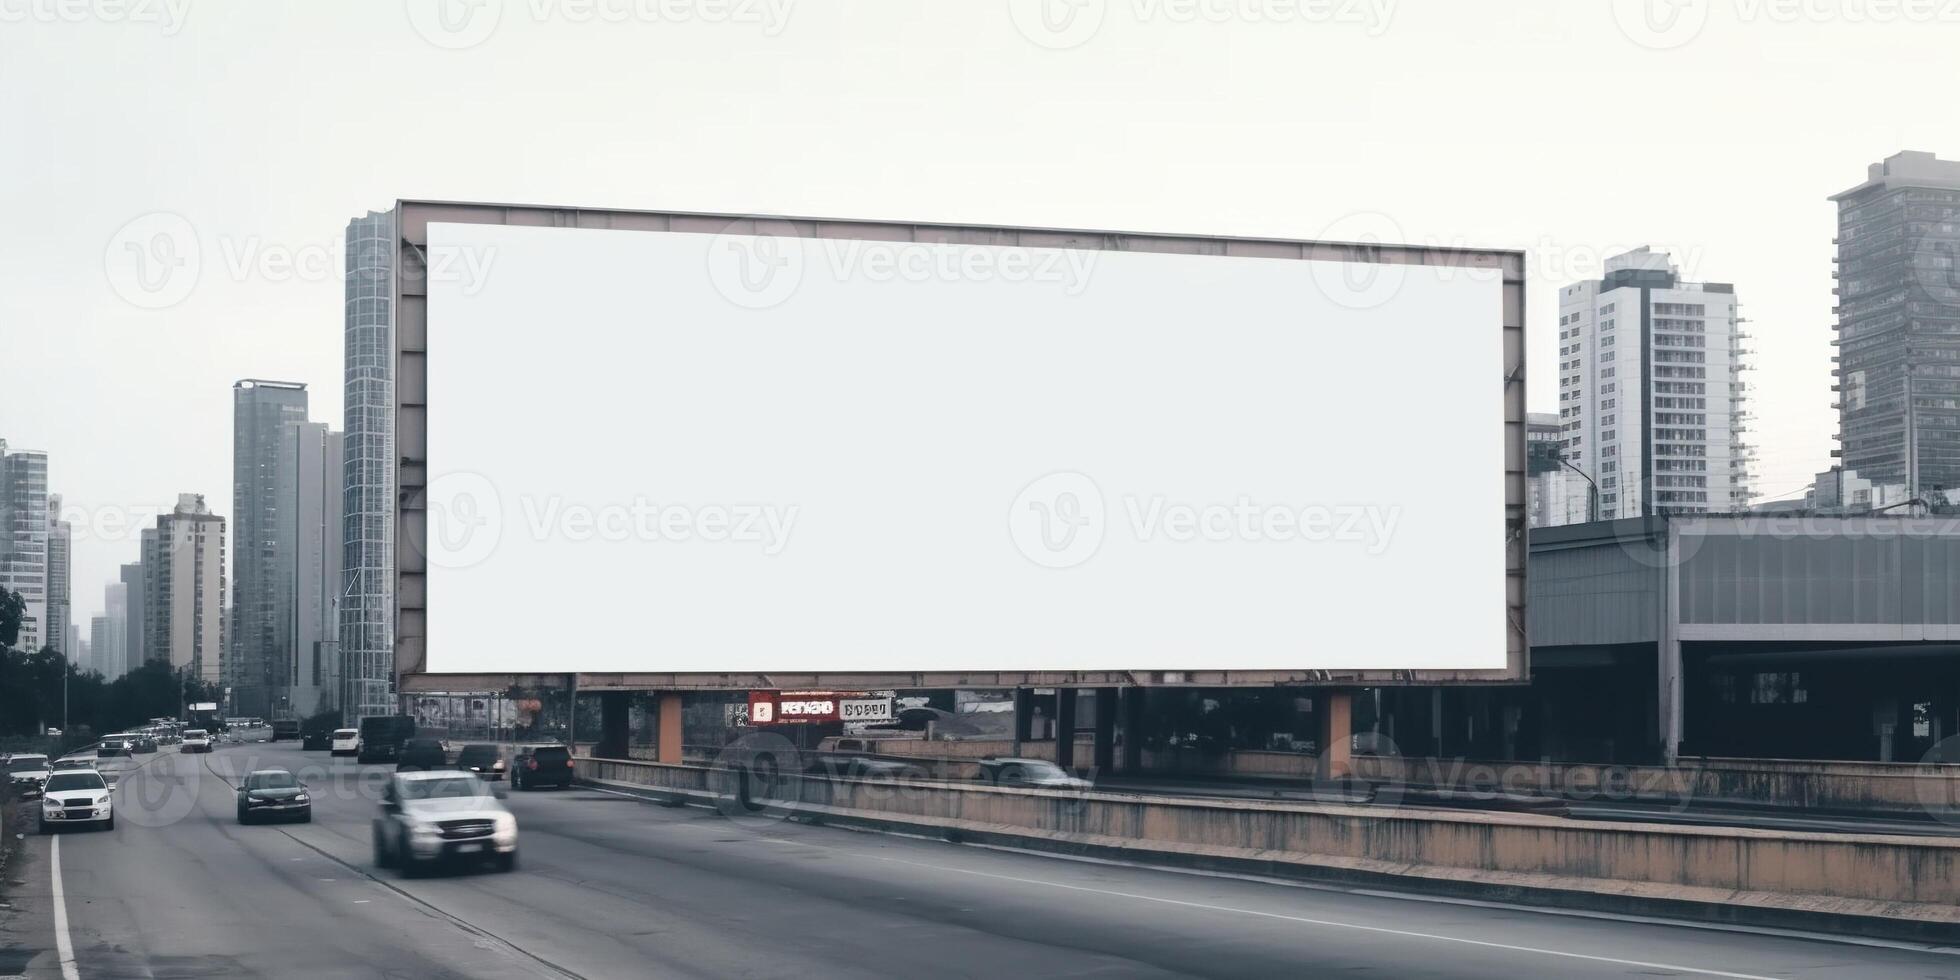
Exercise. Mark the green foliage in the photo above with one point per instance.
(13, 610)
(31, 695)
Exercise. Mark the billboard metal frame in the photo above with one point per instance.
(410, 308)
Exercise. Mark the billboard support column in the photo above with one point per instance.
(1023, 718)
(1132, 729)
(668, 742)
(1105, 729)
(1336, 734)
(615, 726)
(1065, 727)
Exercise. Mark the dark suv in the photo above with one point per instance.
(422, 754)
(482, 758)
(542, 765)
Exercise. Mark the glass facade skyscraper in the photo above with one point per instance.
(367, 604)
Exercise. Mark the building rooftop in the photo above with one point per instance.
(1908, 168)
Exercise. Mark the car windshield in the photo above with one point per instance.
(1040, 769)
(437, 789)
(75, 780)
(345, 733)
(271, 780)
(27, 763)
(475, 752)
(195, 733)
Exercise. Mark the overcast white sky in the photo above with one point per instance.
(1569, 128)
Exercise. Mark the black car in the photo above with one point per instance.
(541, 765)
(315, 740)
(484, 759)
(382, 737)
(273, 794)
(420, 754)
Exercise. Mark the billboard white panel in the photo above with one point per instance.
(676, 452)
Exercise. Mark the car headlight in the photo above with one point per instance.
(420, 829)
(302, 798)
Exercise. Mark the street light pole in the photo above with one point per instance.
(1592, 500)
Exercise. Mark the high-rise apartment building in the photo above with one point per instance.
(98, 640)
(184, 589)
(1898, 329)
(61, 544)
(1650, 390)
(311, 478)
(131, 655)
(106, 656)
(24, 539)
(367, 603)
(263, 532)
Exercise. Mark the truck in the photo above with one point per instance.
(285, 728)
(382, 737)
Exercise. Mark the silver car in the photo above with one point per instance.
(428, 818)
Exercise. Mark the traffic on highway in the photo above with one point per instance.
(263, 859)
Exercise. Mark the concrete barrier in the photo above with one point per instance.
(1825, 786)
(1850, 787)
(1903, 887)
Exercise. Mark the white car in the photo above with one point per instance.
(196, 740)
(28, 770)
(76, 796)
(426, 818)
(346, 741)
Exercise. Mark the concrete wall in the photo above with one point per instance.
(1865, 875)
(1759, 782)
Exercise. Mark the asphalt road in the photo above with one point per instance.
(610, 886)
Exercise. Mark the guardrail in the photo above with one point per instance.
(1899, 886)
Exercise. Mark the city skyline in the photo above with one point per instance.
(268, 206)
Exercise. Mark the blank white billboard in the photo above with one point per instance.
(663, 451)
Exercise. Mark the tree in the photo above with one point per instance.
(13, 611)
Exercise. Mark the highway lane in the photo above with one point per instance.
(611, 886)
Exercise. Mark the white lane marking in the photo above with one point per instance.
(1329, 923)
(63, 945)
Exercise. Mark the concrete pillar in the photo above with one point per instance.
(1132, 729)
(615, 725)
(1023, 718)
(1669, 716)
(1065, 727)
(1336, 734)
(1105, 729)
(668, 742)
